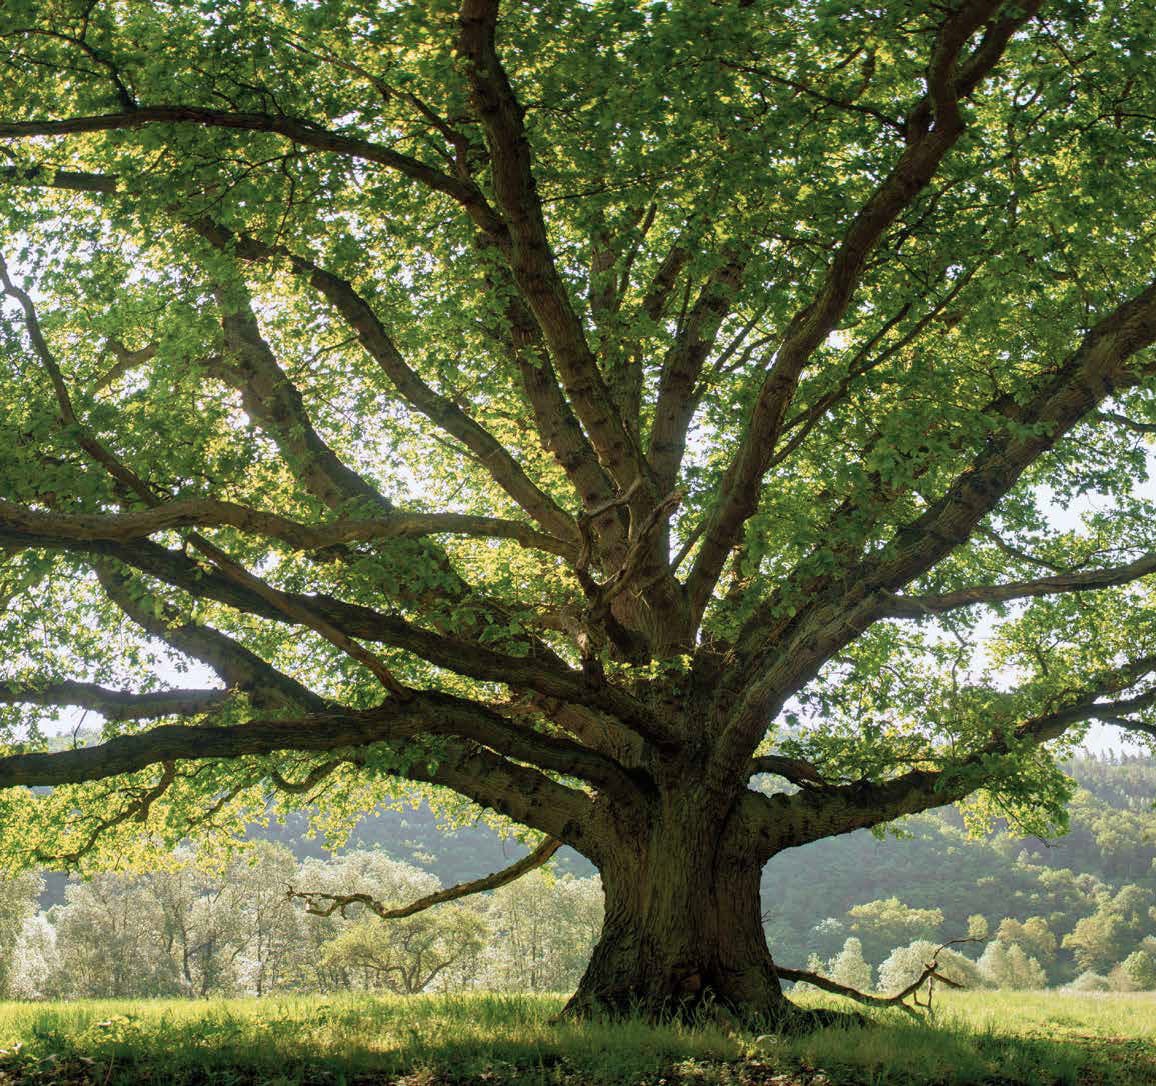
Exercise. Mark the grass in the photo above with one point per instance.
(1030, 1038)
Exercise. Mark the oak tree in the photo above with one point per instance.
(667, 425)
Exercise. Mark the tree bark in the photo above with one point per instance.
(682, 933)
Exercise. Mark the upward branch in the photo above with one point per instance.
(442, 411)
(529, 252)
(934, 127)
(783, 653)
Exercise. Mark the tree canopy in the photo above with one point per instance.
(582, 408)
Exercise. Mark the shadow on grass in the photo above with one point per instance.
(506, 1041)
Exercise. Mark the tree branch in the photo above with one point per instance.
(926, 149)
(788, 652)
(795, 770)
(558, 428)
(540, 671)
(481, 775)
(304, 133)
(378, 344)
(340, 902)
(275, 402)
(1089, 581)
(111, 704)
(53, 178)
(682, 366)
(486, 776)
(791, 820)
(213, 513)
(529, 252)
(930, 973)
(1135, 426)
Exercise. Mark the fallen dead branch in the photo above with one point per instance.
(929, 976)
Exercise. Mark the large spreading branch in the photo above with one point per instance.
(678, 394)
(215, 513)
(808, 815)
(934, 126)
(559, 430)
(541, 671)
(243, 669)
(782, 655)
(482, 775)
(117, 705)
(275, 402)
(1101, 366)
(917, 606)
(529, 251)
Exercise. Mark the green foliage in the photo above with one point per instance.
(558, 407)
(1140, 969)
(1007, 966)
(1119, 922)
(406, 956)
(888, 923)
(849, 967)
(1032, 936)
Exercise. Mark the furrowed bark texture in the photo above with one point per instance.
(683, 926)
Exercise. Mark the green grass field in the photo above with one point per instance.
(1031, 1038)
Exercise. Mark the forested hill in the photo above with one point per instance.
(1112, 837)
(1092, 891)
(1086, 875)
(1111, 846)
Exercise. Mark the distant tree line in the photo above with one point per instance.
(1114, 949)
(197, 930)
(1076, 912)
(1077, 909)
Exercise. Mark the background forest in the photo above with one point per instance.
(1078, 911)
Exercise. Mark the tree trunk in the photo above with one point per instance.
(683, 929)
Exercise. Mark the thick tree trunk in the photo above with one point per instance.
(683, 928)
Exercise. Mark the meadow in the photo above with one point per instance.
(500, 1040)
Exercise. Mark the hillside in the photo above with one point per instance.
(933, 865)
(1102, 872)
